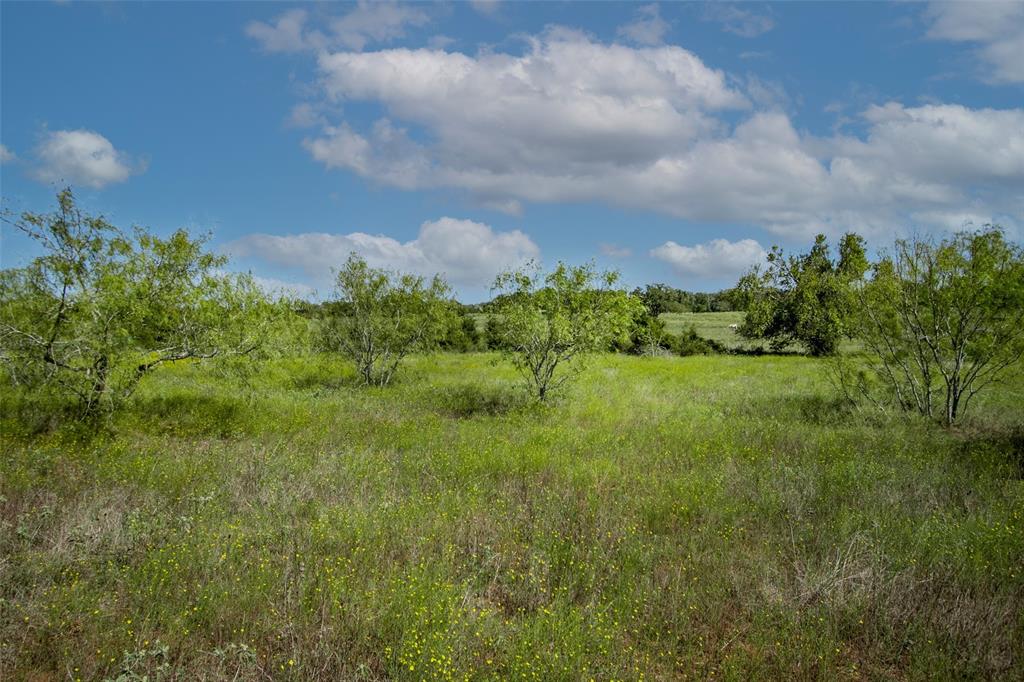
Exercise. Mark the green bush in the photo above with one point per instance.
(461, 334)
(689, 342)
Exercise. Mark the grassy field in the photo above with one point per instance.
(714, 326)
(713, 517)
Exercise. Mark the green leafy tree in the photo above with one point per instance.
(646, 335)
(381, 317)
(548, 323)
(805, 299)
(941, 322)
(100, 309)
(461, 335)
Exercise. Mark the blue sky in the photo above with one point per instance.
(674, 142)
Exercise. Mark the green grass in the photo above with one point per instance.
(714, 326)
(670, 518)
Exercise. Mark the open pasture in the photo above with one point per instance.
(715, 517)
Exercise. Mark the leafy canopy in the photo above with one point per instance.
(942, 321)
(380, 317)
(99, 309)
(548, 323)
(804, 299)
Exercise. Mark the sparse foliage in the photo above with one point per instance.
(548, 323)
(100, 309)
(942, 321)
(381, 317)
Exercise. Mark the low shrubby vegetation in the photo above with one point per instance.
(571, 481)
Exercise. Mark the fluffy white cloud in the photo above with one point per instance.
(368, 22)
(648, 28)
(6, 154)
(82, 157)
(741, 22)
(503, 124)
(466, 252)
(573, 120)
(718, 258)
(996, 27)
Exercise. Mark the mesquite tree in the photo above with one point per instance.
(548, 323)
(100, 309)
(942, 321)
(380, 317)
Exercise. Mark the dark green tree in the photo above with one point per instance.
(461, 334)
(805, 299)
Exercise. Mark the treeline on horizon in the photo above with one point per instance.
(658, 298)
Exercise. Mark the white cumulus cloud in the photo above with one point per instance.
(6, 154)
(997, 28)
(82, 157)
(571, 119)
(466, 252)
(718, 258)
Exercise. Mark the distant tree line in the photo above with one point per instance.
(658, 298)
(661, 298)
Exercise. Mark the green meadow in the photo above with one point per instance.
(713, 326)
(719, 517)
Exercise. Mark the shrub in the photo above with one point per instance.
(646, 334)
(461, 334)
(689, 342)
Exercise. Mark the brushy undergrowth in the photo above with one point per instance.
(669, 518)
